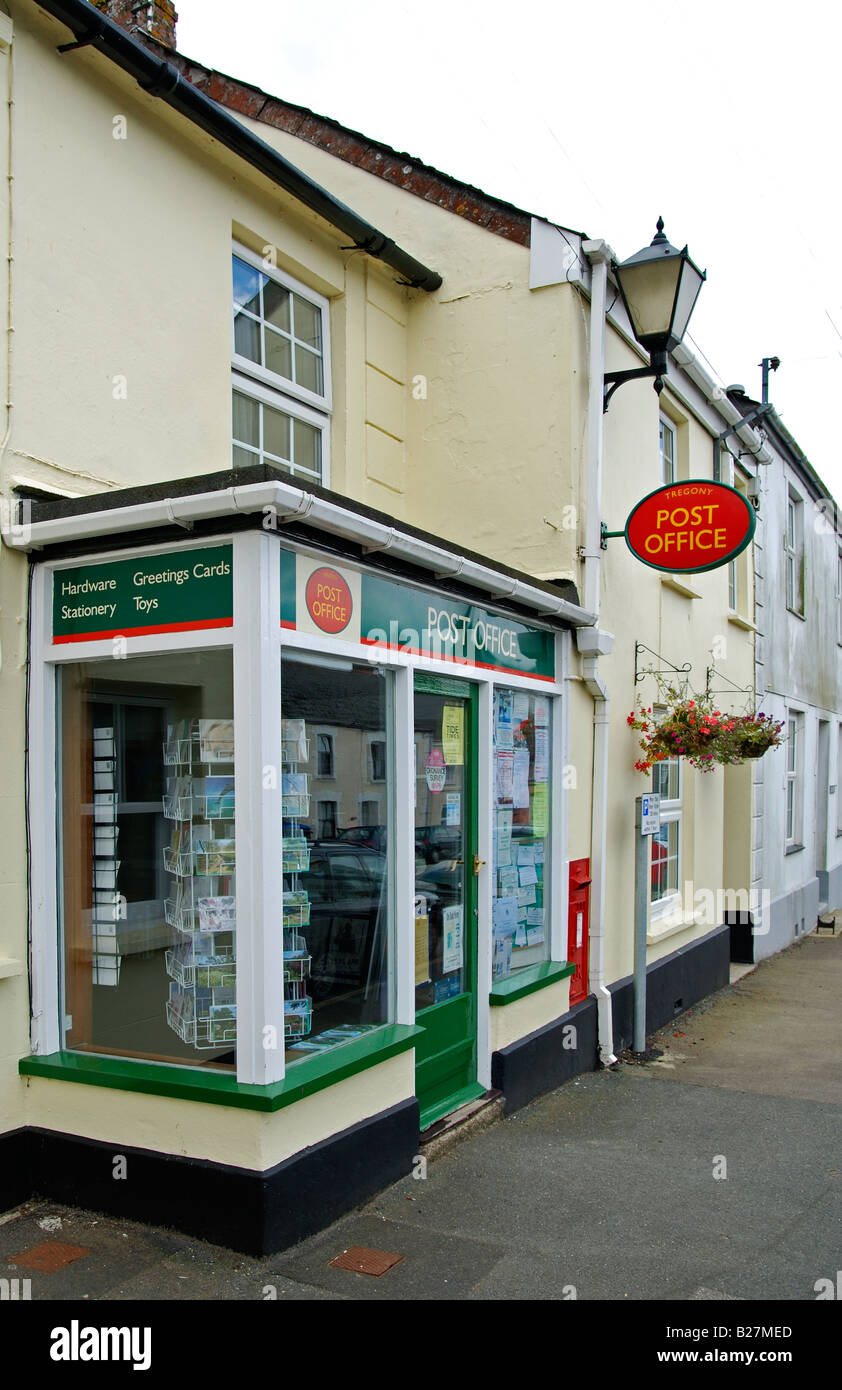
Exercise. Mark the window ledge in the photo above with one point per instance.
(744, 623)
(671, 924)
(679, 586)
(528, 980)
(9, 967)
(793, 849)
(794, 611)
(189, 1083)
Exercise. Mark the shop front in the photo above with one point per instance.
(297, 851)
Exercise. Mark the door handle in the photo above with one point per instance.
(478, 864)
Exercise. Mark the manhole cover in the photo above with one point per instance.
(48, 1257)
(363, 1261)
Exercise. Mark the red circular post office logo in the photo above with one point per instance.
(690, 526)
(329, 600)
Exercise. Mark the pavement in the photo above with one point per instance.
(713, 1173)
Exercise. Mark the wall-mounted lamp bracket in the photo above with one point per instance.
(612, 380)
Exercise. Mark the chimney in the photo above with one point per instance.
(157, 19)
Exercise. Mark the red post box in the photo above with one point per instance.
(577, 927)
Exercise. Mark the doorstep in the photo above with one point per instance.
(462, 1123)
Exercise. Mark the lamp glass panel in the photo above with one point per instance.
(649, 291)
(688, 291)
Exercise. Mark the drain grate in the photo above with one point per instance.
(49, 1256)
(363, 1261)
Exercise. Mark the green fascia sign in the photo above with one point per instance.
(176, 591)
(190, 590)
(429, 624)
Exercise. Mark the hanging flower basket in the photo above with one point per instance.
(752, 736)
(695, 730)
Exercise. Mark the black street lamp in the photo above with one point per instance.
(659, 287)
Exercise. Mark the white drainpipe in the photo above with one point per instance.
(592, 643)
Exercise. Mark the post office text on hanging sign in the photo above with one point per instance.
(179, 591)
(690, 527)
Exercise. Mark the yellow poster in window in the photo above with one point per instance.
(453, 734)
(540, 809)
(422, 948)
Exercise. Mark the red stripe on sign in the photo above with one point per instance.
(457, 660)
(143, 631)
(291, 626)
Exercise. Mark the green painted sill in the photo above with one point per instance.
(187, 1083)
(549, 972)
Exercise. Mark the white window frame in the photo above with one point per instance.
(672, 810)
(279, 392)
(666, 427)
(257, 697)
(794, 553)
(794, 779)
(839, 596)
(371, 769)
(317, 773)
(258, 824)
(327, 801)
(738, 568)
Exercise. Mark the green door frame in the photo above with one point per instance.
(446, 1056)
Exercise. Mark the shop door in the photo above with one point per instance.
(445, 895)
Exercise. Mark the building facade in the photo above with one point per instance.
(319, 819)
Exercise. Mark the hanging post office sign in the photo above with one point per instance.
(689, 527)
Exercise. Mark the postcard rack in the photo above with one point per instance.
(298, 1006)
(105, 897)
(199, 804)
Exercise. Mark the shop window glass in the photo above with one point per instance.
(148, 864)
(338, 889)
(522, 786)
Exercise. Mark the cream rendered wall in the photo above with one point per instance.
(121, 371)
(683, 622)
(524, 1016)
(485, 391)
(14, 988)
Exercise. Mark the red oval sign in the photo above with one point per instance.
(690, 526)
(329, 601)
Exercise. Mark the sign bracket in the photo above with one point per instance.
(640, 672)
(605, 535)
(731, 685)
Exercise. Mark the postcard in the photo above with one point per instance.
(219, 798)
(216, 740)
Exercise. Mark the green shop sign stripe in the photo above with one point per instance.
(423, 623)
(180, 591)
(428, 624)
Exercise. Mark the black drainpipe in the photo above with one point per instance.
(160, 79)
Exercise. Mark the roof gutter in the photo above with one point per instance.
(160, 78)
(288, 503)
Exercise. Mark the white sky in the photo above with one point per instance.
(724, 118)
